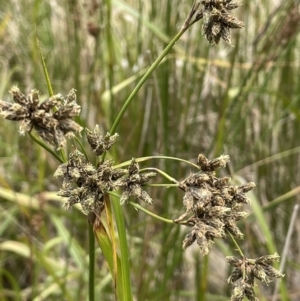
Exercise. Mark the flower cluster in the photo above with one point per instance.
(100, 144)
(52, 119)
(132, 184)
(92, 183)
(246, 270)
(212, 205)
(217, 21)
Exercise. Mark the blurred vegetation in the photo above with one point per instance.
(242, 101)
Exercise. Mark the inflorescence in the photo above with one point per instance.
(217, 20)
(92, 183)
(213, 207)
(52, 119)
(247, 270)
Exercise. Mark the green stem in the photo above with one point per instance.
(236, 244)
(142, 159)
(81, 147)
(160, 172)
(47, 148)
(46, 74)
(91, 264)
(139, 207)
(124, 258)
(162, 185)
(143, 80)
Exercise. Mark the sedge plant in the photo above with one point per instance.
(212, 206)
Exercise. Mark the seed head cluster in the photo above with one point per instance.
(100, 144)
(247, 270)
(85, 184)
(217, 20)
(133, 182)
(52, 119)
(213, 207)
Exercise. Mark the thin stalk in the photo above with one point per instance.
(285, 250)
(91, 263)
(142, 159)
(124, 256)
(139, 207)
(143, 80)
(46, 74)
(236, 244)
(160, 172)
(111, 229)
(162, 185)
(47, 148)
(81, 147)
(49, 86)
(111, 59)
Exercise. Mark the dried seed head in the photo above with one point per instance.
(212, 201)
(246, 270)
(260, 274)
(238, 291)
(234, 261)
(218, 22)
(131, 184)
(268, 259)
(212, 165)
(53, 127)
(91, 183)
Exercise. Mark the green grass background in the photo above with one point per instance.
(242, 101)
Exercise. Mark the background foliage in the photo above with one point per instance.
(241, 101)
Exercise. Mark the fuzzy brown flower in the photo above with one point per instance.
(213, 206)
(247, 270)
(100, 144)
(85, 184)
(203, 232)
(217, 21)
(132, 183)
(52, 119)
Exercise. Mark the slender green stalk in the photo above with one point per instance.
(50, 90)
(81, 147)
(47, 148)
(160, 172)
(110, 62)
(139, 207)
(91, 264)
(142, 159)
(166, 185)
(144, 78)
(236, 244)
(203, 278)
(111, 229)
(124, 257)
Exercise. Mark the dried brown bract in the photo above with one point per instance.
(52, 119)
(247, 270)
(217, 20)
(213, 207)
